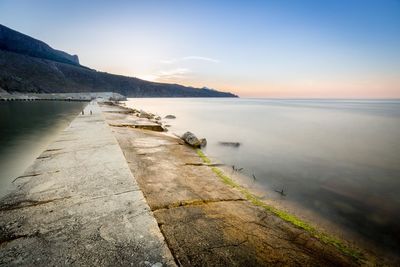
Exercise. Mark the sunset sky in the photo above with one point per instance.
(311, 49)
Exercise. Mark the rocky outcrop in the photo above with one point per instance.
(193, 141)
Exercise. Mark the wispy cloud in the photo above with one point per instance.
(176, 60)
(166, 75)
(201, 58)
(173, 73)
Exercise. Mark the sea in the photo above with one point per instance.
(334, 162)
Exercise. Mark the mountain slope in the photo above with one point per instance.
(29, 65)
(14, 41)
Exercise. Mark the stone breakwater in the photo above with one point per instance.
(79, 204)
(206, 218)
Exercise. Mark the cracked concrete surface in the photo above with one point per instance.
(204, 221)
(78, 204)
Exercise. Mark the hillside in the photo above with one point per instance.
(14, 41)
(30, 65)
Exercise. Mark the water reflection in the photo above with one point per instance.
(26, 128)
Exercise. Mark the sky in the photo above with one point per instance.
(280, 48)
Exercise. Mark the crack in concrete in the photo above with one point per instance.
(43, 157)
(128, 191)
(115, 194)
(24, 176)
(14, 206)
(203, 164)
(32, 175)
(53, 149)
(227, 245)
(169, 245)
(63, 140)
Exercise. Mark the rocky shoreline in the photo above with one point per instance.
(207, 218)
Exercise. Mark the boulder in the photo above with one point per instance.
(170, 117)
(193, 141)
(144, 114)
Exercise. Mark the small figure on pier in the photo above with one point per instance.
(83, 113)
(91, 112)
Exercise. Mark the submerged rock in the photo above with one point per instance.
(170, 117)
(193, 141)
(156, 128)
(232, 144)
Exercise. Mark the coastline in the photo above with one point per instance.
(84, 96)
(157, 145)
(308, 196)
(193, 213)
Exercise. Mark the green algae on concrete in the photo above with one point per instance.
(324, 237)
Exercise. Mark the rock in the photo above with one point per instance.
(193, 141)
(232, 144)
(144, 114)
(156, 121)
(157, 118)
(203, 142)
(156, 128)
(170, 117)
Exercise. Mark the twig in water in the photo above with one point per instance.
(234, 169)
(281, 192)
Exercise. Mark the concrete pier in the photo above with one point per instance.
(79, 204)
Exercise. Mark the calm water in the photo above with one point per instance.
(338, 159)
(26, 128)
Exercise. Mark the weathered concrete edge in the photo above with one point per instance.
(141, 192)
(355, 253)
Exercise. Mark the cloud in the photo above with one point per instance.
(165, 75)
(201, 58)
(176, 60)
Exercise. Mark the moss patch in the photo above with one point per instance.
(325, 238)
(202, 156)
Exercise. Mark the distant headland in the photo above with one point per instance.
(28, 65)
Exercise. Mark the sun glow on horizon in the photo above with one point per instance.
(327, 49)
